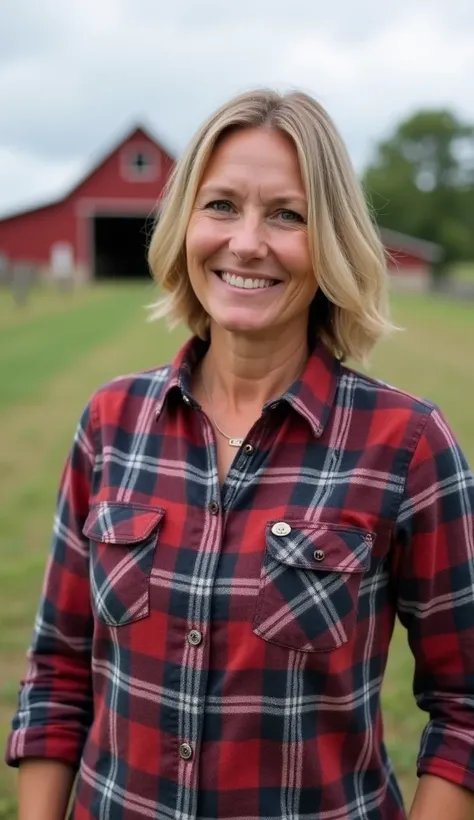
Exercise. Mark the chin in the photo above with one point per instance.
(235, 322)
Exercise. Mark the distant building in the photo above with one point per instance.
(99, 230)
(410, 260)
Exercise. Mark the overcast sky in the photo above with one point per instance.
(76, 74)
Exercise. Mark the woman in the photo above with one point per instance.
(236, 533)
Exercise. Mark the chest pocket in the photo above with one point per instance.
(309, 585)
(123, 539)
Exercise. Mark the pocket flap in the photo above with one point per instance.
(116, 523)
(323, 547)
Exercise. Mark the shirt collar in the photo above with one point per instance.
(179, 375)
(311, 396)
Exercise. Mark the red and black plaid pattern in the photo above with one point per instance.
(309, 585)
(120, 577)
(204, 652)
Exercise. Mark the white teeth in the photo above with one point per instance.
(246, 284)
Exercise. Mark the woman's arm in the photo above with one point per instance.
(433, 553)
(437, 799)
(55, 706)
(44, 789)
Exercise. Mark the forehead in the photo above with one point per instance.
(258, 154)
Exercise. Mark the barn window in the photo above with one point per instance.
(140, 165)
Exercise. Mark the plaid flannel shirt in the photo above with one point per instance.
(207, 652)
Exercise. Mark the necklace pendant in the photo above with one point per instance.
(236, 442)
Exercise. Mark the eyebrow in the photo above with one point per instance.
(225, 191)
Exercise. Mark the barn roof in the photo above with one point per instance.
(396, 241)
(100, 159)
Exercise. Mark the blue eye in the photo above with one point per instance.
(220, 205)
(290, 216)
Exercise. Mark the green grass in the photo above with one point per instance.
(59, 339)
(58, 349)
(464, 272)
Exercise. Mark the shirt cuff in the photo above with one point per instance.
(49, 743)
(448, 770)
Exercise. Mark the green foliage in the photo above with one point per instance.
(421, 182)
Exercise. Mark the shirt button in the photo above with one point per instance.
(185, 751)
(319, 555)
(213, 507)
(248, 449)
(281, 528)
(194, 637)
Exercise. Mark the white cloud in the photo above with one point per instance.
(74, 76)
(28, 179)
(401, 66)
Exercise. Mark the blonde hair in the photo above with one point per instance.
(350, 309)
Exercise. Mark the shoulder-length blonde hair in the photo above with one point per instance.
(350, 310)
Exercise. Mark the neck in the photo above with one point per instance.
(240, 370)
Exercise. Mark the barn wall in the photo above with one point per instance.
(29, 236)
(407, 271)
(403, 260)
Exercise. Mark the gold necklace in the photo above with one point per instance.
(232, 441)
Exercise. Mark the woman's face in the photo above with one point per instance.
(247, 241)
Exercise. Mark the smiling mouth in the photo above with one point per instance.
(245, 282)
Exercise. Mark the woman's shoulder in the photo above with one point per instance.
(129, 395)
(136, 383)
(411, 423)
(382, 394)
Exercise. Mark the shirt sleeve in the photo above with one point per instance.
(55, 701)
(435, 544)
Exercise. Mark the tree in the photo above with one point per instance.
(421, 182)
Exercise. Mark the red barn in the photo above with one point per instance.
(410, 260)
(99, 229)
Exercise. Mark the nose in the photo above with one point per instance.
(247, 241)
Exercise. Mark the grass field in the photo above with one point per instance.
(58, 349)
(463, 271)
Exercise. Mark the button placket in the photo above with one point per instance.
(194, 637)
(185, 751)
(195, 640)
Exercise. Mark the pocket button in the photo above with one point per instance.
(319, 555)
(281, 528)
